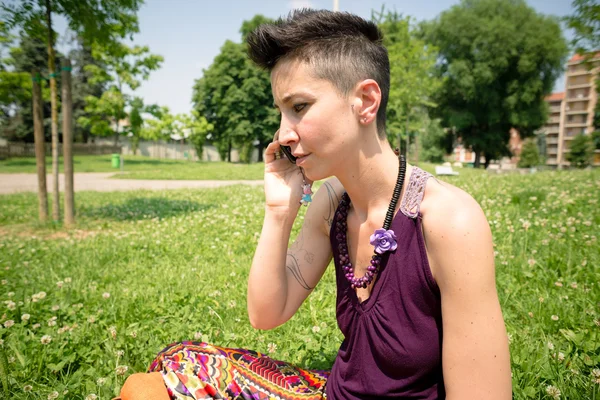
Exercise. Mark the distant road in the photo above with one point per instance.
(101, 182)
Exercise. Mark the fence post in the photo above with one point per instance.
(40, 147)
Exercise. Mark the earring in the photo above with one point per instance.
(364, 120)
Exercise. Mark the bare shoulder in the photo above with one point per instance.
(453, 225)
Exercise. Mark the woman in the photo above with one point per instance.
(416, 295)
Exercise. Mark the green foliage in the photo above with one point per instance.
(432, 139)
(596, 139)
(412, 78)
(498, 58)
(581, 151)
(584, 22)
(118, 66)
(530, 155)
(235, 97)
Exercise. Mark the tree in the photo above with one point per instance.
(412, 79)
(530, 156)
(119, 66)
(83, 86)
(235, 97)
(585, 22)
(581, 151)
(97, 22)
(498, 58)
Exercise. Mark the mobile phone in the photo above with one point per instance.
(287, 150)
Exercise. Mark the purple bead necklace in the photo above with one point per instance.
(383, 239)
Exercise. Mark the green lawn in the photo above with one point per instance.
(147, 268)
(139, 167)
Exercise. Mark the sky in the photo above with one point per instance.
(190, 33)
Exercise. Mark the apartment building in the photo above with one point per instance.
(572, 112)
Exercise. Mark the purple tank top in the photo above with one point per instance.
(393, 340)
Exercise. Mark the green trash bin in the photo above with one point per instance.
(116, 160)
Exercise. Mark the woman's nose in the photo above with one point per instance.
(287, 136)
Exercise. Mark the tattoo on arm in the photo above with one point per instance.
(333, 203)
(294, 268)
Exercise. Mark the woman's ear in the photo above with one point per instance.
(369, 95)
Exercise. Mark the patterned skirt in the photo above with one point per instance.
(193, 370)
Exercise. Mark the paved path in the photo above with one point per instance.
(13, 183)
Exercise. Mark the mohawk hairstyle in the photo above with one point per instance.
(340, 47)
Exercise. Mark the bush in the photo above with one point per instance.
(581, 151)
(530, 155)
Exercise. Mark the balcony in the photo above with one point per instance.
(575, 112)
(552, 140)
(551, 130)
(579, 85)
(555, 109)
(581, 124)
(576, 99)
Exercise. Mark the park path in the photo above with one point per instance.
(101, 182)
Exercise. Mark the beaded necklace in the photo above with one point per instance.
(383, 239)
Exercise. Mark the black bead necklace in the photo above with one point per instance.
(342, 229)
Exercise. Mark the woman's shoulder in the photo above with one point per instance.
(441, 197)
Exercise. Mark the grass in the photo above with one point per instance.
(139, 167)
(147, 268)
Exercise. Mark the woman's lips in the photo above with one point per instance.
(300, 159)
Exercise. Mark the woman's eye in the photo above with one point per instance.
(299, 107)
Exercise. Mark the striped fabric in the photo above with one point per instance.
(193, 370)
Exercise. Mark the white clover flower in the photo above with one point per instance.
(553, 392)
(67, 280)
(46, 339)
(10, 294)
(4, 281)
(550, 346)
(41, 295)
(316, 329)
(100, 381)
(121, 369)
(53, 395)
(531, 262)
(120, 353)
(91, 319)
(55, 308)
(11, 305)
(526, 225)
(133, 334)
(91, 396)
(113, 332)
(198, 335)
(554, 317)
(105, 295)
(27, 388)
(9, 323)
(25, 317)
(232, 304)
(35, 326)
(561, 356)
(558, 283)
(272, 347)
(60, 284)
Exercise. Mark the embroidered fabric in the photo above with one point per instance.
(411, 202)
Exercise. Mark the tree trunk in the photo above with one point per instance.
(229, 152)
(488, 159)
(54, 104)
(477, 157)
(40, 147)
(261, 148)
(67, 113)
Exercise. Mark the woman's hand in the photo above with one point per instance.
(283, 180)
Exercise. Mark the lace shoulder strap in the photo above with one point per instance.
(411, 202)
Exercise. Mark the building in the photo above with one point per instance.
(572, 112)
(553, 126)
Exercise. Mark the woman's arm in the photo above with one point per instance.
(475, 355)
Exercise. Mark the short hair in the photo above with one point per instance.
(341, 48)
